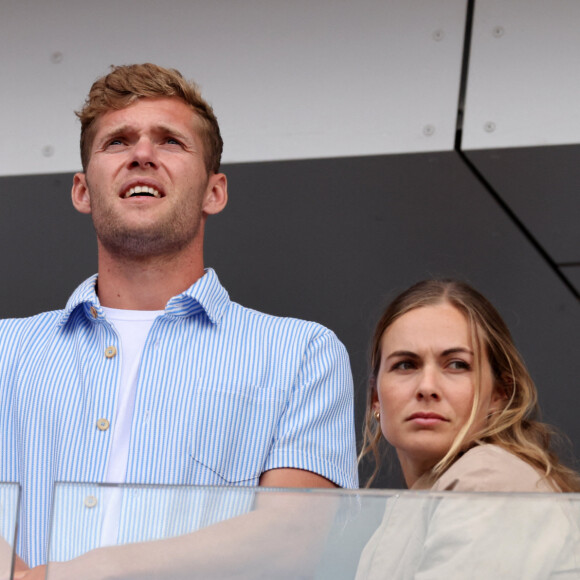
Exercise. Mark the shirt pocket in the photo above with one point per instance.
(232, 433)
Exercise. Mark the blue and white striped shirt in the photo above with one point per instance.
(224, 394)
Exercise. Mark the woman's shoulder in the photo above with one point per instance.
(491, 468)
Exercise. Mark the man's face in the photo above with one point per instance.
(146, 185)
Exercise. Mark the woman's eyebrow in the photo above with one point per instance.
(406, 353)
(455, 349)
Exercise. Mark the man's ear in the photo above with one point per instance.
(216, 195)
(81, 199)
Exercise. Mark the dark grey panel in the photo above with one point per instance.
(331, 240)
(573, 274)
(542, 186)
(49, 248)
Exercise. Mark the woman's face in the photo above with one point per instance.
(425, 385)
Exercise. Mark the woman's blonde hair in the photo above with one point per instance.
(515, 427)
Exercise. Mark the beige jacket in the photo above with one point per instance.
(439, 535)
(490, 468)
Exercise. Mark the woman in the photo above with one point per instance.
(442, 348)
(450, 393)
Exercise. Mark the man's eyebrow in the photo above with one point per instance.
(161, 129)
(115, 131)
(167, 129)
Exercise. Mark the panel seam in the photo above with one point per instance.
(554, 266)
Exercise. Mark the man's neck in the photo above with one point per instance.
(145, 284)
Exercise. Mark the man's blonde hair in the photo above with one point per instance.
(125, 84)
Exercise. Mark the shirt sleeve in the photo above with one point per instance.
(316, 430)
(9, 344)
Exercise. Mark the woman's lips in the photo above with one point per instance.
(427, 419)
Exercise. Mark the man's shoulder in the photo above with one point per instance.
(25, 335)
(30, 322)
(272, 323)
(85, 292)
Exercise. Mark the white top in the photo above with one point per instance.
(132, 326)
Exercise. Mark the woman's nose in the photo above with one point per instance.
(428, 386)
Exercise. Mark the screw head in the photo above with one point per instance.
(498, 31)
(56, 57)
(428, 130)
(489, 126)
(48, 150)
(438, 35)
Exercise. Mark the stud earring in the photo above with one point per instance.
(377, 415)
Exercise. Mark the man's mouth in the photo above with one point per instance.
(141, 190)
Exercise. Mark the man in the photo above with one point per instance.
(150, 374)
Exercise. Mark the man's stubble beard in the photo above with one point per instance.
(167, 236)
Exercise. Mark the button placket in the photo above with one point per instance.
(103, 423)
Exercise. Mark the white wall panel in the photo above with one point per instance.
(288, 80)
(523, 85)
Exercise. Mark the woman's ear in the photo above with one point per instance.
(375, 404)
(499, 397)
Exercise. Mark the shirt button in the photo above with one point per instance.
(103, 424)
(110, 351)
(90, 501)
(93, 312)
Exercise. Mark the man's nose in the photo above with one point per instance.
(428, 386)
(143, 154)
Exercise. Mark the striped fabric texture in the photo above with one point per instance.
(147, 513)
(9, 498)
(224, 394)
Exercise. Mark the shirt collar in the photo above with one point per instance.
(206, 295)
(84, 295)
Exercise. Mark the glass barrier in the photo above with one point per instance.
(163, 532)
(9, 503)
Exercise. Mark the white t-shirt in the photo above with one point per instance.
(132, 326)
